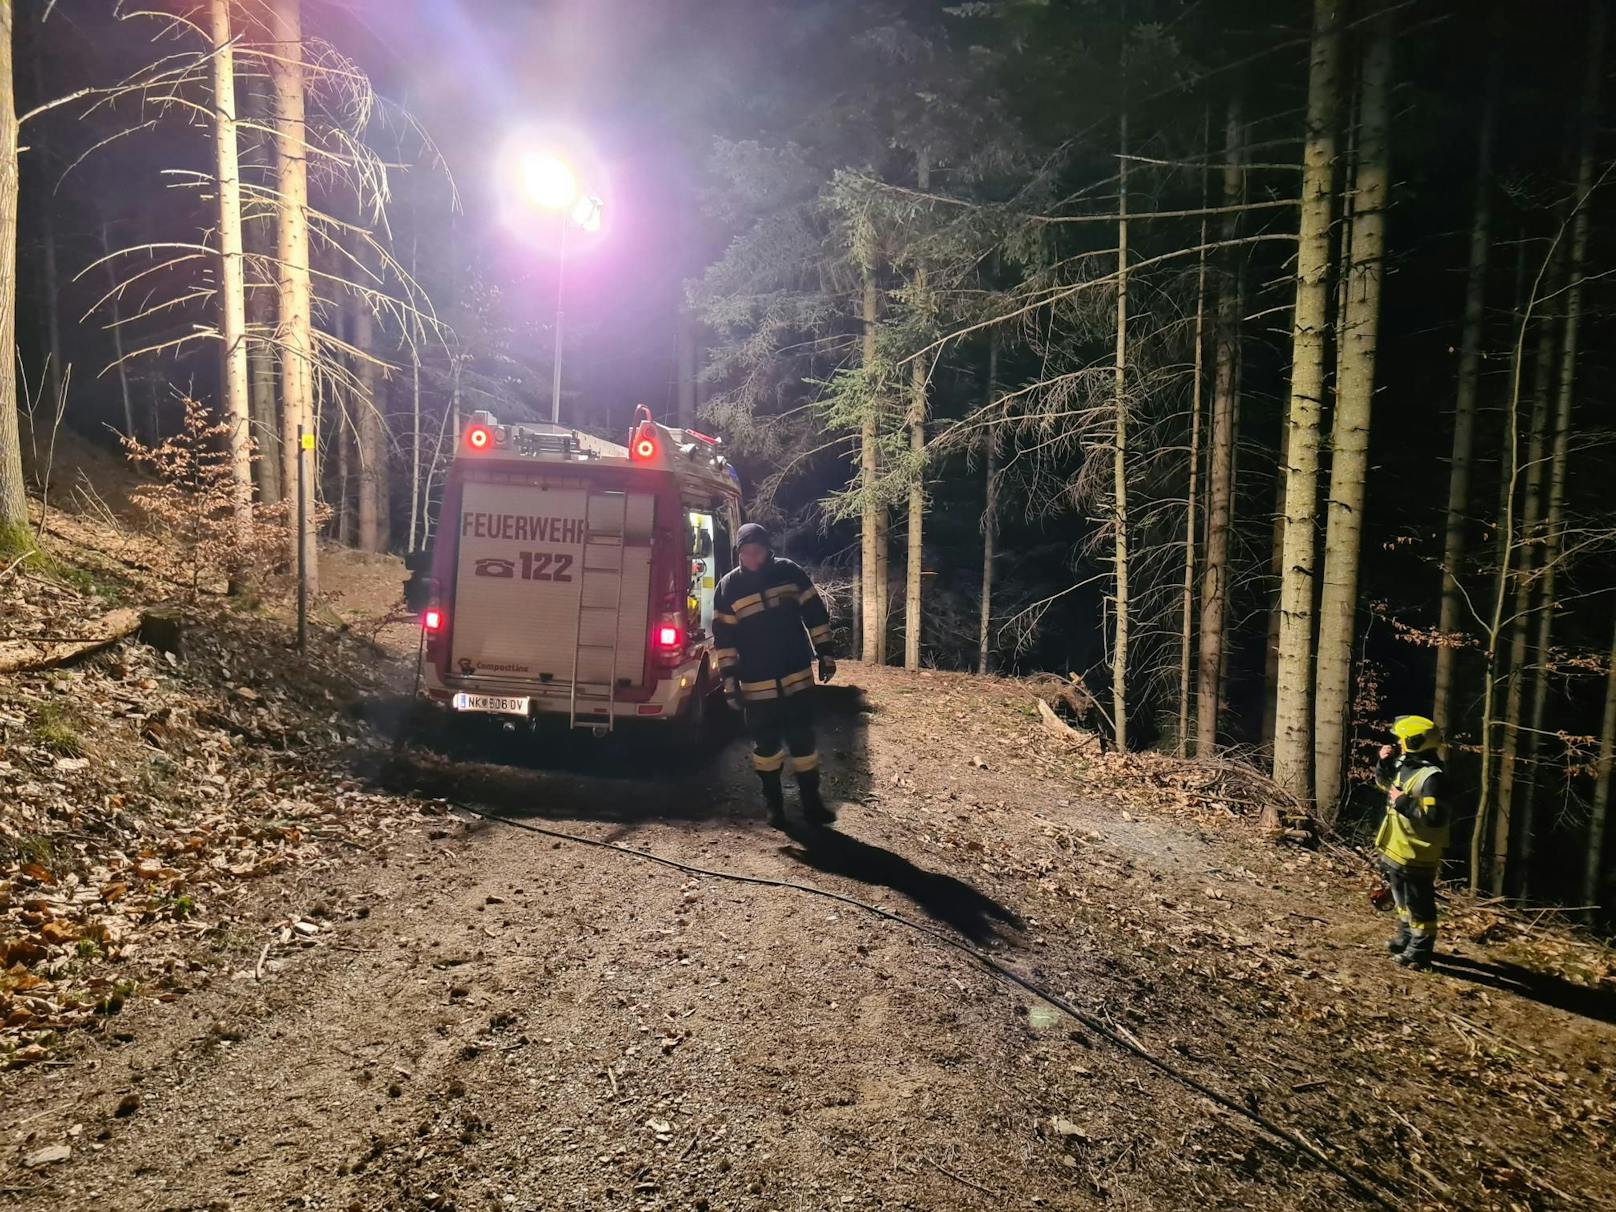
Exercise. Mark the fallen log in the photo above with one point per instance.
(1058, 727)
(18, 656)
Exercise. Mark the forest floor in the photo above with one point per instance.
(255, 959)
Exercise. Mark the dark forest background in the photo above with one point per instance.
(874, 246)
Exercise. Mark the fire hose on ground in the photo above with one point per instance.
(995, 968)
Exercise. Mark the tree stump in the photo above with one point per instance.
(162, 629)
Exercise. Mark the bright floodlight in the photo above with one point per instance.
(549, 183)
(586, 213)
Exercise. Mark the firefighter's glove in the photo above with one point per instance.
(827, 669)
(732, 693)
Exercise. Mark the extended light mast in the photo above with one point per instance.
(551, 185)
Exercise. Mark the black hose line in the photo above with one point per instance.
(994, 968)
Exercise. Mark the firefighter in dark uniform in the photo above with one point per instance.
(769, 626)
(1413, 835)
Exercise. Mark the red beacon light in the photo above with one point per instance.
(643, 442)
(482, 431)
(432, 619)
(669, 637)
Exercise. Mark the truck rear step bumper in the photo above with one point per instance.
(553, 699)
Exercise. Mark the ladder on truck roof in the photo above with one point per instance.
(600, 606)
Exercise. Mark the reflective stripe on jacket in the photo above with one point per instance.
(1415, 840)
(767, 626)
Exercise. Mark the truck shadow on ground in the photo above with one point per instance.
(1596, 1004)
(636, 775)
(632, 753)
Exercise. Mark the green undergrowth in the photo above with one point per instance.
(54, 727)
(16, 541)
(85, 580)
(18, 545)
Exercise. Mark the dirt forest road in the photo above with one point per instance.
(493, 1018)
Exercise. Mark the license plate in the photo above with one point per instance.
(499, 703)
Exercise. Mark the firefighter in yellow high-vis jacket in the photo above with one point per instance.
(1413, 834)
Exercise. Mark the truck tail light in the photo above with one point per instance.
(434, 621)
(668, 639)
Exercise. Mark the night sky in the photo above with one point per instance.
(634, 87)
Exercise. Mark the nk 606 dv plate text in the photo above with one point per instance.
(501, 704)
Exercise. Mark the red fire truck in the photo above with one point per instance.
(573, 578)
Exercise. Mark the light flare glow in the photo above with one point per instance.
(550, 183)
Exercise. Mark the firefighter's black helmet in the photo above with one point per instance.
(753, 533)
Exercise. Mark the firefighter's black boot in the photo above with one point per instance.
(774, 798)
(1399, 943)
(814, 810)
(1420, 950)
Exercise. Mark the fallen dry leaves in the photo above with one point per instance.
(142, 791)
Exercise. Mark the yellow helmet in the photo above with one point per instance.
(1416, 733)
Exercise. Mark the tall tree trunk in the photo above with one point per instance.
(1293, 717)
(914, 553)
(1220, 462)
(883, 584)
(416, 502)
(873, 536)
(294, 288)
(1226, 665)
(261, 394)
(1355, 391)
(373, 438)
(919, 387)
(1464, 418)
(1192, 495)
(258, 232)
(1594, 866)
(1348, 162)
(1553, 530)
(13, 501)
(1119, 454)
(1276, 572)
(1520, 567)
(990, 506)
(232, 271)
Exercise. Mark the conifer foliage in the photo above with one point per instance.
(1180, 348)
